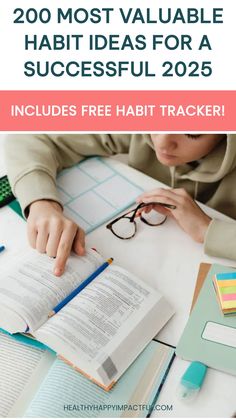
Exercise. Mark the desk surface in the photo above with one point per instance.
(161, 256)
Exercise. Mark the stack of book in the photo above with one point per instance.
(102, 329)
(225, 286)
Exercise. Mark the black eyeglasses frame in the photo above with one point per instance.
(132, 218)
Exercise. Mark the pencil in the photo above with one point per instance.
(80, 287)
(2, 248)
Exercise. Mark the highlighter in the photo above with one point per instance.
(2, 248)
(192, 380)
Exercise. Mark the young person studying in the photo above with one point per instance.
(195, 166)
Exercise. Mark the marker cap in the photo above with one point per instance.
(192, 381)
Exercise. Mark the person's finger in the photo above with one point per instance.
(53, 241)
(145, 209)
(79, 242)
(42, 239)
(181, 192)
(64, 249)
(169, 199)
(153, 192)
(32, 234)
(162, 210)
(168, 195)
(177, 194)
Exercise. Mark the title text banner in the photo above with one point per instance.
(117, 111)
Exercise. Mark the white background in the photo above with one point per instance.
(221, 36)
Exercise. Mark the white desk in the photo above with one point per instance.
(163, 256)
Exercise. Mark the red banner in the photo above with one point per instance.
(117, 111)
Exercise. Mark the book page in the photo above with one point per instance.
(22, 369)
(31, 290)
(66, 393)
(96, 322)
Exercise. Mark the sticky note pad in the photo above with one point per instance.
(225, 287)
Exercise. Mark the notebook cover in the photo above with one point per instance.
(202, 274)
(193, 346)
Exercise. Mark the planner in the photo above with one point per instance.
(92, 192)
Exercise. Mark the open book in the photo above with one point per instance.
(99, 332)
(34, 383)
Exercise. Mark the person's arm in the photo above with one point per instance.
(220, 239)
(32, 164)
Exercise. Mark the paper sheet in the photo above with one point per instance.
(31, 290)
(92, 193)
(19, 366)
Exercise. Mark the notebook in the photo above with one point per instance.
(91, 184)
(101, 330)
(34, 383)
(209, 337)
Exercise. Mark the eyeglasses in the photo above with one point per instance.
(125, 226)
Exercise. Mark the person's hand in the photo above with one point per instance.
(187, 213)
(49, 231)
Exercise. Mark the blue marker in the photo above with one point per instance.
(2, 248)
(80, 287)
(192, 380)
